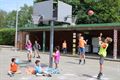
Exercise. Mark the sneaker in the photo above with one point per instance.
(29, 60)
(10, 74)
(79, 61)
(99, 76)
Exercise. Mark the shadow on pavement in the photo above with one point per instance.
(44, 65)
(87, 75)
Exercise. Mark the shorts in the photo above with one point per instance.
(29, 51)
(36, 50)
(101, 61)
(56, 62)
(81, 50)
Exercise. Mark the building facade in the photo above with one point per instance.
(70, 34)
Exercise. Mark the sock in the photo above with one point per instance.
(79, 61)
(84, 61)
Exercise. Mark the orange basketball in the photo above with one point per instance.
(54, 55)
(104, 45)
(30, 70)
(90, 12)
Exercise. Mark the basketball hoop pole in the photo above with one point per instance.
(51, 40)
(51, 43)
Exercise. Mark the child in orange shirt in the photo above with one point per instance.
(13, 68)
(81, 49)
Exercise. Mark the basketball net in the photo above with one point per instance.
(74, 20)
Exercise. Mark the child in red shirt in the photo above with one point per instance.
(13, 68)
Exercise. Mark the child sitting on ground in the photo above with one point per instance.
(39, 70)
(14, 68)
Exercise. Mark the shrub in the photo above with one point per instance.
(7, 36)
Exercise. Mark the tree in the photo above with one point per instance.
(25, 15)
(2, 18)
(108, 10)
(11, 19)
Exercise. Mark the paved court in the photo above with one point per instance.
(69, 68)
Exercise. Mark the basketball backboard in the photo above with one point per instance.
(48, 10)
(42, 10)
(64, 12)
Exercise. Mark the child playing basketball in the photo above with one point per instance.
(102, 53)
(56, 56)
(29, 49)
(36, 48)
(14, 68)
(81, 48)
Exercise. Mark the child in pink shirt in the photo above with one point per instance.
(29, 49)
(56, 56)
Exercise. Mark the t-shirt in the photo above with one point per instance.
(28, 46)
(36, 46)
(13, 67)
(82, 43)
(57, 56)
(103, 51)
(38, 69)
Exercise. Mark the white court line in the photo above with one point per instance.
(62, 78)
(70, 74)
(24, 78)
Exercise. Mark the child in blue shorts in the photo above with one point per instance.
(81, 49)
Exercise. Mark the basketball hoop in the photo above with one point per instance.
(35, 19)
(74, 19)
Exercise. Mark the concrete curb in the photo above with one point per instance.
(6, 46)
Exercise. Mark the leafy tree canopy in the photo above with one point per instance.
(9, 19)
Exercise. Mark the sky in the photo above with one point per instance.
(9, 5)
